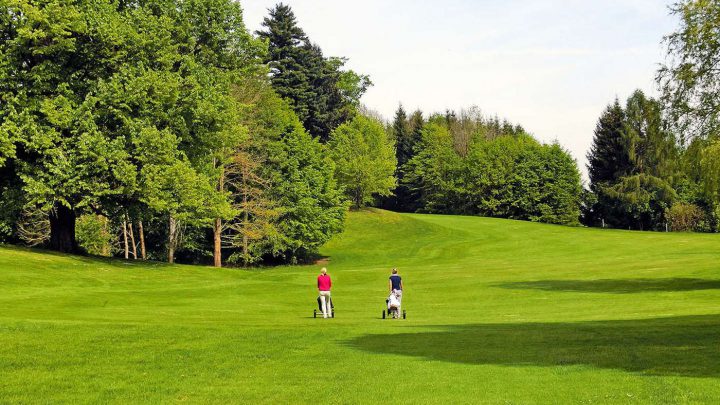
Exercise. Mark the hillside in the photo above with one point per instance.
(498, 311)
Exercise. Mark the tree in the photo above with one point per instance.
(286, 55)
(52, 62)
(252, 223)
(652, 146)
(632, 166)
(549, 187)
(364, 160)
(405, 194)
(400, 133)
(130, 109)
(639, 201)
(295, 182)
(710, 174)
(609, 157)
(690, 79)
(320, 92)
(435, 170)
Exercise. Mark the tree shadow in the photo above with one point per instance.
(619, 286)
(679, 346)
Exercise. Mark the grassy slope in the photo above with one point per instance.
(499, 312)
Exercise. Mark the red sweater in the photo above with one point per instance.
(324, 282)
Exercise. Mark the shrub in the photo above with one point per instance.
(684, 217)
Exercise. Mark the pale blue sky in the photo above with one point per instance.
(550, 65)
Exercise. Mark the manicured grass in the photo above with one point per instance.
(498, 312)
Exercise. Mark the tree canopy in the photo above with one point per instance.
(364, 160)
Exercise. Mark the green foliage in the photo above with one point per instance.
(407, 134)
(95, 236)
(689, 79)
(640, 201)
(633, 166)
(301, 189)
(710, 171)
(351, 85)
(401, 133)
(683, 217)
(320, 92)
(364, 159)
(652, 147)
(508, 176)
(11, 204)
(116, 106)
(549, 180)
(609, 157)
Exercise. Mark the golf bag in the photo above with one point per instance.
(393, 303)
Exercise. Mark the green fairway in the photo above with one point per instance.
(498, 312)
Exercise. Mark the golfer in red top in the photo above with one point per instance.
(324, 285)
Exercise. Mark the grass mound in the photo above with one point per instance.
(498, 311)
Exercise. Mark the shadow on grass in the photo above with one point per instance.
(681, 346)
(618, 286)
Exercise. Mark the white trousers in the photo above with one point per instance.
(324, 301)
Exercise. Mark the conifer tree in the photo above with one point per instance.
(322, 95)
(609, 158)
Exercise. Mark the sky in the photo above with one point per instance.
(550, 65)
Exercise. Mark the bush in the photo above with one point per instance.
(94, 236)
(684, 217)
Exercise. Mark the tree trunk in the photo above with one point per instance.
(62, 229)
(106, 231)
(217, 242)
(246, 221)
(172, 239)
(132, 239)
(142, 240)
(217, 228)
(125, 239)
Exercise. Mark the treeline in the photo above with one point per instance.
(469, 164)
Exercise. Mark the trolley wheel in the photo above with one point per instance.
(314, 313)
(404, 315)
(383, 315)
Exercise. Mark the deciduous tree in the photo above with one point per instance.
(365, 160)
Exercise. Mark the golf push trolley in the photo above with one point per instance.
(319, 311)
(392, 309)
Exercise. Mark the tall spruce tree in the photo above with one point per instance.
(288, 59)
(322, 95)
(609, 157)
(401, 133)
(408, 199)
